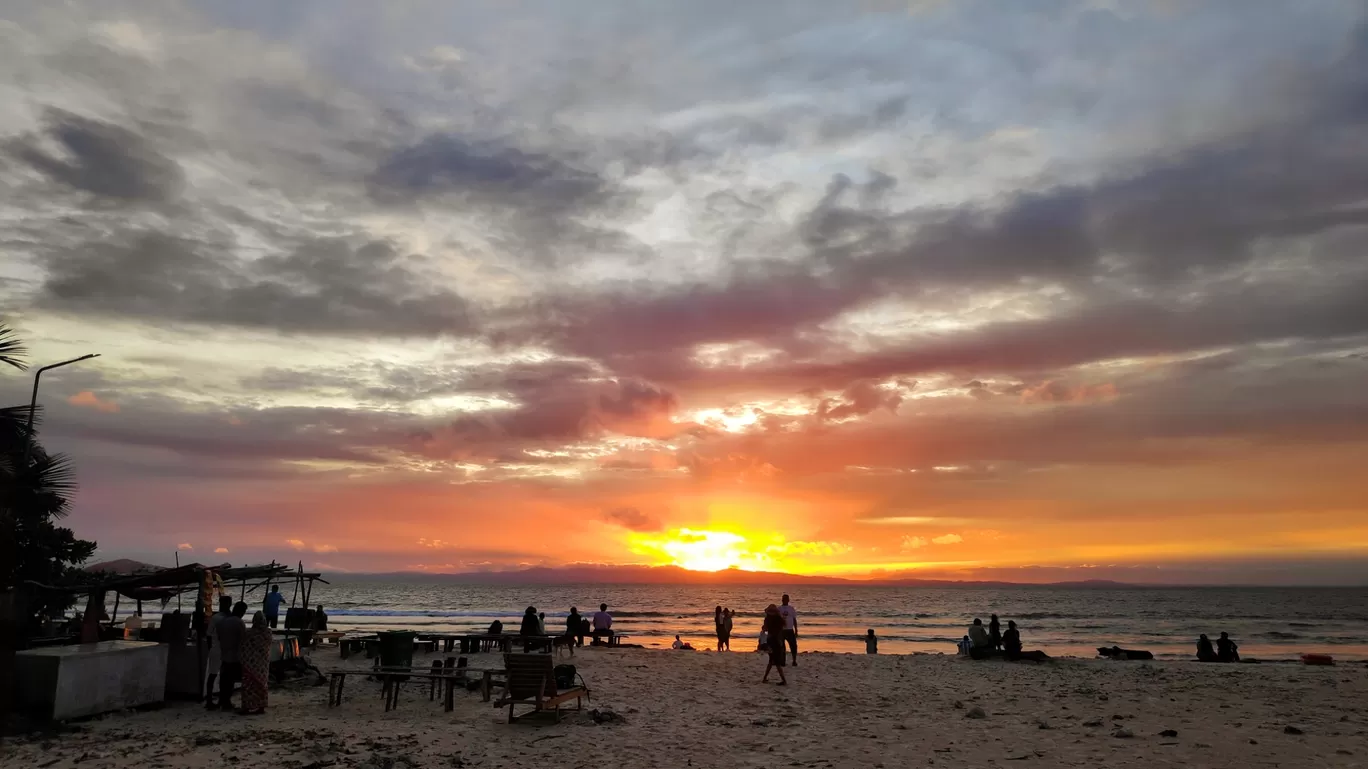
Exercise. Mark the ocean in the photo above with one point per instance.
(1267, 623)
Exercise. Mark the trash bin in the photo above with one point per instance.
(396, 648)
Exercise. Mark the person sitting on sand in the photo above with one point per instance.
(1205, 652)
(1226, 650)
(603, 623)
(1011, 641)
(871, 642)
(679, 645)
(980, 645)
(964, 646)
(774, 629)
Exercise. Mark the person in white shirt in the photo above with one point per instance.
(603, 622)
(790, 616)
(681, 646)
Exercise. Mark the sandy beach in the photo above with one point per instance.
(703, 709)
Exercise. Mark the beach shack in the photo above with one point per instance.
(95, 664)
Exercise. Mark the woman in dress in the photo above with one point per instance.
(256, 666)
(774, 629)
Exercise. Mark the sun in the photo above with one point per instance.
(702, 550)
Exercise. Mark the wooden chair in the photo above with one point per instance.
(531, 681)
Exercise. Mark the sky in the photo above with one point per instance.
(1066, 289)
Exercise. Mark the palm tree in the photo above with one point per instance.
(12, 350)
(33, 495)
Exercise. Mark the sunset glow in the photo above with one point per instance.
(820, 288)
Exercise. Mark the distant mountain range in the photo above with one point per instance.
(670, 575)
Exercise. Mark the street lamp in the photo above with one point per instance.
(33, 402)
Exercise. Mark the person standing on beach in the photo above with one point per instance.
(271, 605)
(256, 666)
(774, 630)
(573, 628)
(994, 632)
(726, 629)
(231, 630)
(717, 626)
(790, 633)
(871, 642)
(215, 661)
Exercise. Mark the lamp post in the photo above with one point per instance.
(33, 402)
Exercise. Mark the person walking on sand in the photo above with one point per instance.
(790, 633)
(726, 629)
(256, 666)
(774, 629)
(717, 626)
(994, 632)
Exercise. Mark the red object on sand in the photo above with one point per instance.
(1318, 659)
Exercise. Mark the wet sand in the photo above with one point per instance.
(701, 709)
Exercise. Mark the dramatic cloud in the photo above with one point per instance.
(807, 282)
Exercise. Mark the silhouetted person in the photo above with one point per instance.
(1226, 650)
(980, 645)
(603, 623)
(1205, 652)
(774, 636)
(790, 615)
(1011, 641)
(271, 606)
(574, 626)
(320, 620)
(871, 642)
(496, 627)
(231, 632)
(994, 632)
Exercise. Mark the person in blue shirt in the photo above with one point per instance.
(271, 606)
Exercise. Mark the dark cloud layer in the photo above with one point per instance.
(110, 162)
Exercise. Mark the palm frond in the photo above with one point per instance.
(12, 349)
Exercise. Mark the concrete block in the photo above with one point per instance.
(63, 682)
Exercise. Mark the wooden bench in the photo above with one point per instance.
(353, 644)
(447, 675)
(531, 681)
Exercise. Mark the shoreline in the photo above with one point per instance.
(709, 710)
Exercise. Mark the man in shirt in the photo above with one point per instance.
(790, 616)
(271, 606)
(603, 622)
(215, 661)
(231, 630)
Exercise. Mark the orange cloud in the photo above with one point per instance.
(1055, 391)
(185, 546)
(220, 550)
(89, 400)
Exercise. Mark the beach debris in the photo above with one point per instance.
(1093, 722)
(1123, 733)
(1292, 730)
(1169, 733)
(1043, 724)
(957, 705)
(976, 712)
(606, 716)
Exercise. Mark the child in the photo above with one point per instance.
(764, 642)
(681, 645)
(871, 643)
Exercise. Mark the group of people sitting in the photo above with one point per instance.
(984, 642)
(576, 626)
(1226, 650)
